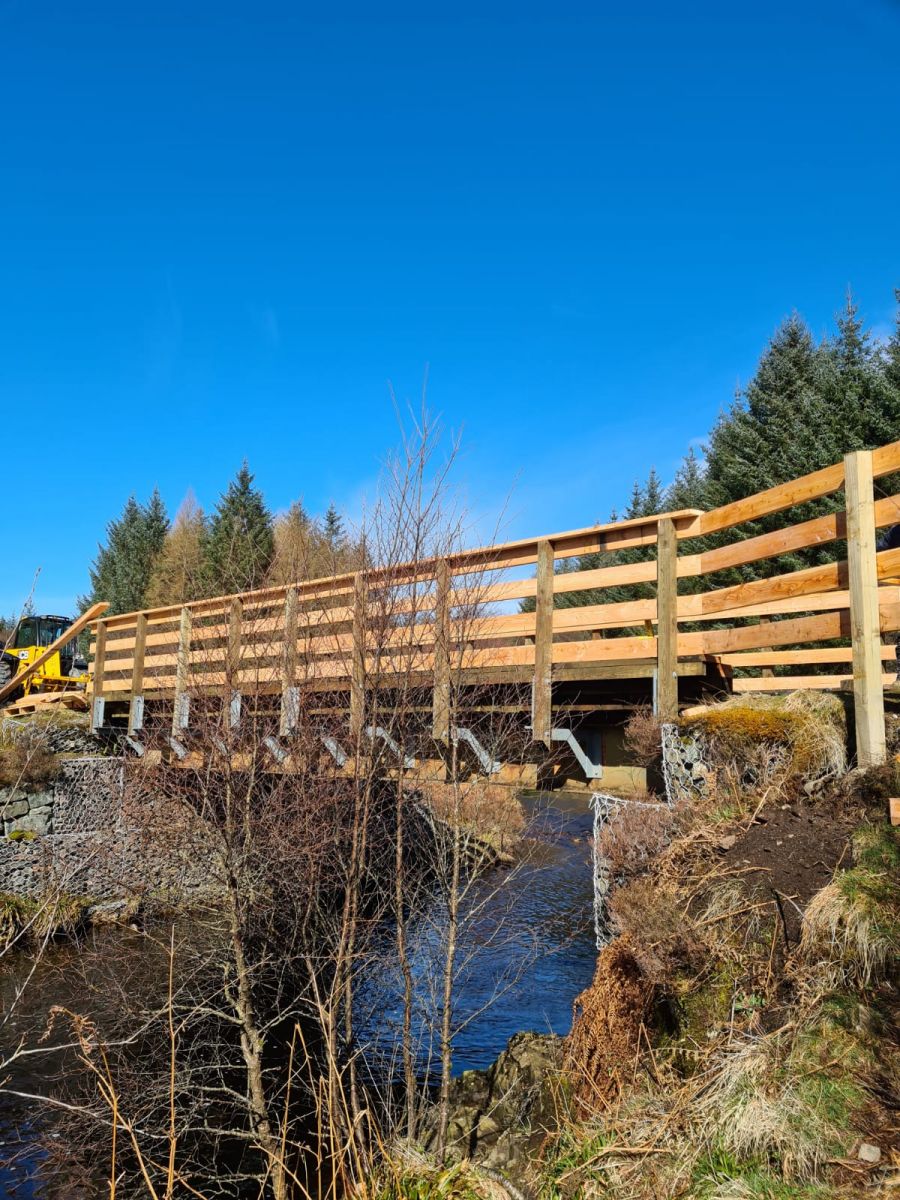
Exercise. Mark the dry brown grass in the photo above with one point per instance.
(608, 1026)
(770, 741)
(26, 761)
(643, 736)
(634, 837)
(490, 810)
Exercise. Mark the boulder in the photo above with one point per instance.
(499, 1117)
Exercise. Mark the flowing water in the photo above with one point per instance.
(526, 950)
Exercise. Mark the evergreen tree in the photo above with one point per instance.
(156, 523)
(120, 574)
(805, 407)
(334, 529)
(688, 488)
(769, 429)
(241, 543)
(178, 573)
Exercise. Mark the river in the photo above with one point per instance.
(524, 955)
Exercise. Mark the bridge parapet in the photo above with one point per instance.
(454, 621)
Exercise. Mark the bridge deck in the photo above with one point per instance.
(452, 623)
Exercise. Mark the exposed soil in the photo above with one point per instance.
(790, 852)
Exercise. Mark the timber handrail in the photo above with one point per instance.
(438, 615)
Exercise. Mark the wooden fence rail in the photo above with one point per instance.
(457, 618)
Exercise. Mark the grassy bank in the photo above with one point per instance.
(739, 1037)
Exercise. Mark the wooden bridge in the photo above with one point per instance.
(448, 633)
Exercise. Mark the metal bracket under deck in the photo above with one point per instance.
(459, 733)
(335, 749)
(179, 747)
(591, 769)
(278, 752)
(375, 732)
(289, 720)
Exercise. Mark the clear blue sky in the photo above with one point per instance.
(225, 228)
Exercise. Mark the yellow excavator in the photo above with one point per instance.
(41, 655)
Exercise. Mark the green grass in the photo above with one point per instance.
(59, 916)
(570, 1164)
(718, 1167)
(448, 1183)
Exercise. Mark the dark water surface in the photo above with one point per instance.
(526, 950)
(526, 947)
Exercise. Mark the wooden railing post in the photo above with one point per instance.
(358, 661)
(290, 699)
(440, 706)
(182, 700)
(865, 628)
(136, 704)
(666, 621)
(542, 685)
(231, 693)
(98, 702)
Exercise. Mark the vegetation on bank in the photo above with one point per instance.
(26, 760)
(738, 1038)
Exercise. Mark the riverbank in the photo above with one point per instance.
(738, 1037)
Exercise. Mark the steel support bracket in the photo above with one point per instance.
(376, 733)
(488, 764)
(568, 737)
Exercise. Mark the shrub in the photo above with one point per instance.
(643, 736)
(763, 738)
(659, 935)
(27, 760)
(634, 836)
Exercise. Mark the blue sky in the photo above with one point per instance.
(226, 228)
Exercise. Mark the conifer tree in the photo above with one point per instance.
(241, 544)
(334, 529)
(688, 488)
(178, 573)
(120, 574)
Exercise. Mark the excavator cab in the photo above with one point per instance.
(30, 638)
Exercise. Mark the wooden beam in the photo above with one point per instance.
(235, 642)
(793, 658)
(440, 715)
(868, 696)
(74, 629)
(667, 622)
(97, 676)
(800, 683)
(542, 684)
(886, 459)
